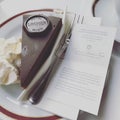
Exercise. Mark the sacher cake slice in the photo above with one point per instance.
(39, 35)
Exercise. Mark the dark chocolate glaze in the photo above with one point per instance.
(35, 50)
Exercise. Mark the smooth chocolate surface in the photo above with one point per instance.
(35, 50)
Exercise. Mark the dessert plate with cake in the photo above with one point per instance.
(22, 44)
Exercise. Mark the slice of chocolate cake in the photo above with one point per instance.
(39, 35)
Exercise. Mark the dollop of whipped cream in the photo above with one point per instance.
(10, 60)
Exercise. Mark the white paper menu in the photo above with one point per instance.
(78, 83)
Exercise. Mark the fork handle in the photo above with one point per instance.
(39, 91)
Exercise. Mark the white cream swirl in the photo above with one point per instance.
(10, 60)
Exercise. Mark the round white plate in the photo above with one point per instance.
(106, 9)
(8, 94)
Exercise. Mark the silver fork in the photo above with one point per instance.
(35, 96)
(65, 40)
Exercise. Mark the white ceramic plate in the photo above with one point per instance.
(8, 94)
(106, 9)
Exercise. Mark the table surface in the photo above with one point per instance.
(110, 106)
